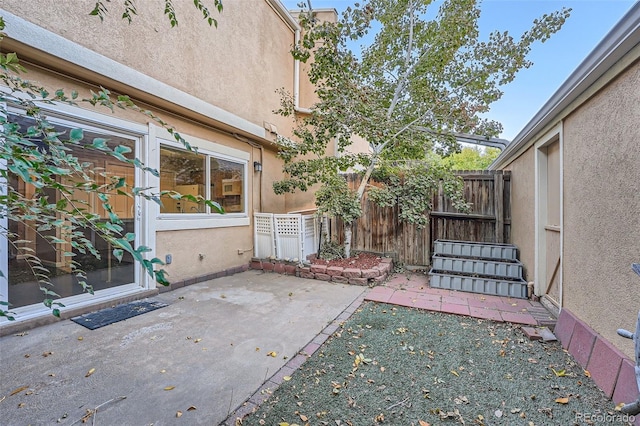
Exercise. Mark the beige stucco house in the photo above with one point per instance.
(575, 174)
(215, 86)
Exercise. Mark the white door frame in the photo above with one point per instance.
(70, 115)
(541, 192)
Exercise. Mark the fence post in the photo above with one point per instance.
(498, 205)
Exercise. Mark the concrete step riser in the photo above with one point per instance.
(476, 250)
(511, 270)
(488, 286)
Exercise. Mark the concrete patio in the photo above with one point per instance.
(215, 353)
(203, 355)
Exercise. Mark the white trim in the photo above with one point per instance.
(198, 221)
(71, 116)
(177, 221)
(561, 171)
(540, 225)
(38, 310)
(57, 46)
(213, 147)
(4, 247)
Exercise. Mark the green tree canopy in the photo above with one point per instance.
(423, 77)
(472, 158)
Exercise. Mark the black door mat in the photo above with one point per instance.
(108, 316)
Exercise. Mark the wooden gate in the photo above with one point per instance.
(489, 220)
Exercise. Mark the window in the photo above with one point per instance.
(204, 174)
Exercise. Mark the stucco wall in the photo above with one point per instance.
(602, 208)
(523, 209)
(237, 66)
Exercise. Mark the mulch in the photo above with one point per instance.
(403, 366)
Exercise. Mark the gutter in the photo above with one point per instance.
(621, 39)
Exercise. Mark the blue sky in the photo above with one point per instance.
(553, 61)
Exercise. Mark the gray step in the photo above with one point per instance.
(477, 250)
(496, 287)
(478, 267)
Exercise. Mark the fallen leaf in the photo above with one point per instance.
(179, 414)
(257, 349)
(197, 340)
(619, 406)
(272, 354)
(80, 338)
(168, 388)
(455, 373)
(191, 408)
(423, 423)
(564, 400)
(46, 354)
(560, 373)
(22, 404)
(163, 371)
(587, 373)
(286, 378)
(303, 417)
(90, 372)
(18, 390)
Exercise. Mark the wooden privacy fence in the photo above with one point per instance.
(489, 220)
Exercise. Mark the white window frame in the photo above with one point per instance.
(73, 116)
(184, 221)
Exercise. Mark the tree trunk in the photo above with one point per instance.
(347, 240)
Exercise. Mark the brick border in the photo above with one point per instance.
(363, 277)
(610, 369)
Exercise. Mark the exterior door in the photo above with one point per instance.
(104, 272)
(548, 281)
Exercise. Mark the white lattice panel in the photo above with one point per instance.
(288, 229)
(310, 232)
(264, 235)
(286, 236)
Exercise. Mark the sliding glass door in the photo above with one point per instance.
(103, 271)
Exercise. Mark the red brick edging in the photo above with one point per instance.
(374, 276)
(612, 371)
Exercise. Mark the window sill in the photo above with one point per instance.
(200, 221)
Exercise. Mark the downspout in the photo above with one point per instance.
(296, 79)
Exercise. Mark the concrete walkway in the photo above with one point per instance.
(203, 355)
(413, 291)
